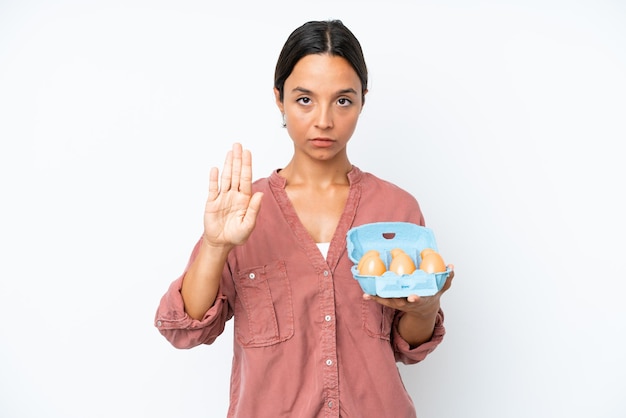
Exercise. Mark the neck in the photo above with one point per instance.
(316, 174)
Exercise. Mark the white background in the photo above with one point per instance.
(505, 119)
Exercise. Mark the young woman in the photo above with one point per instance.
(308, 342)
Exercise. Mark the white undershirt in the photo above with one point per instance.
(323, 246)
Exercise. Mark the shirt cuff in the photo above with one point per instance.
(184, 331)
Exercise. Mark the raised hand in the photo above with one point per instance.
(231, 208)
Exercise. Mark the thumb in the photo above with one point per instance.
(254, 206)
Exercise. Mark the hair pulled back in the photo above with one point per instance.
(320, 37)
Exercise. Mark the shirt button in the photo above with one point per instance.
(327, 318)
(326, 273)
(159, 323)
(251, 276)
(329, 362)
(330, 404)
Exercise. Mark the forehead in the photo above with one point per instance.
(323, 71)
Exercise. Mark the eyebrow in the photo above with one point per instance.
(340, 92)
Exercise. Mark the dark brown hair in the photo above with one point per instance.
(320, 37)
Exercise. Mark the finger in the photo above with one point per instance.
(412, 298)
(373, 298)
(253, 209)
(227, 172)
(451, 275)
(213, 184)
(235, 178)
(383, 301)
(245, 183)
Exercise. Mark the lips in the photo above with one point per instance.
(322, 142)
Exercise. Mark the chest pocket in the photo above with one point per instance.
(377, 319)
(264, 308)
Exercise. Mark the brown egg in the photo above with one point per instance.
(371, 264)
(364, 256)
(432, 262)
(401, 262)
(426, 251)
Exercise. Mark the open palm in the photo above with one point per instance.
(231, 208)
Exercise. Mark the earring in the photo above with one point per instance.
(284, 121)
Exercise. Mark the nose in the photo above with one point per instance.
(324, 119)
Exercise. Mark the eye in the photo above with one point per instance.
(344, 102)
(304, 100)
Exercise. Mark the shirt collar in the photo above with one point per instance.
(276, 180)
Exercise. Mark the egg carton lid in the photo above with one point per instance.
(385, 236)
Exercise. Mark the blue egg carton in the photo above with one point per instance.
(384, 237)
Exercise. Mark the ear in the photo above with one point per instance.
(279, 103)
(363, 99)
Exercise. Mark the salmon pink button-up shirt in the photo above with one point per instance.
(306, 344)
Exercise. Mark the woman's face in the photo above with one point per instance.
(322, 103)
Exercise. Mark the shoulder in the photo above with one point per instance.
(372, 182)
(381, 200)
(261, 184)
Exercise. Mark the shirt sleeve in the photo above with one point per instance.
(403, 351)
(183, 331)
